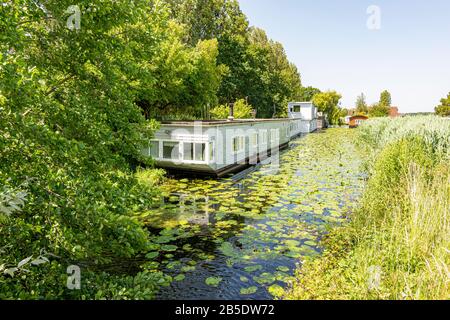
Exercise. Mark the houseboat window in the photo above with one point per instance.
(238, 144)
(188, 149)
(264, 137)
(211, 151)
(274, 135)
(254, 139)
(200, 149)
(171, 150)
(154, 149)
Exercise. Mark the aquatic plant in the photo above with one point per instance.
(396, 246)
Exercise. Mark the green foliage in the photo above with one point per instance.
(385, 99)
(361, 104)
(378, 110)
(150, 177)
(69, 130)
(251, 64)
(307, 93)
(444, 108)
(242, 110)
(327, 102)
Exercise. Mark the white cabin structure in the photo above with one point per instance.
(224, 146)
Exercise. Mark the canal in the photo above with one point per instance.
(222, 239)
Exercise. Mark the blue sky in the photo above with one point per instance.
(334, 49)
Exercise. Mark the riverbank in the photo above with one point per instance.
(396, 245)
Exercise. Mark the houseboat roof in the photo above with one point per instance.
(190, 123)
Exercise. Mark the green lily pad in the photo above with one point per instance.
(248, 291)
(152, 255)
(188, 268)
(283, 269)
(213, 281)
(169, 248)
(253, 268)
(265, 278)
(179, 277)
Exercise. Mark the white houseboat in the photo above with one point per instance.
(220, 147)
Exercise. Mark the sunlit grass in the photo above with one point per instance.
(397, 244)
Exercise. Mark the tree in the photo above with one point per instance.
(385, 99)
(70, 132)
(327, 102)
(253, 65)
(242, 110)
(378, 110)
(307, 93)
(444, 108)
(361, 104)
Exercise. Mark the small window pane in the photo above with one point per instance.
(255, 139)
(200, 151)
(235, 144)
(188, 151)
(211, 151)
(171, 150)
(154, 149)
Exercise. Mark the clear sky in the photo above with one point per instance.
(333, 47)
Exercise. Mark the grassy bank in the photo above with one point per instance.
(396, 245)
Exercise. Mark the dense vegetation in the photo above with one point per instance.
(396, 245)
(376, 110)
(76, 106)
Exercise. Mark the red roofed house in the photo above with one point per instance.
(393, 112)
(357, 120)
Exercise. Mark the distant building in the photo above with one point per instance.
(393, 112)
(356, 121)
(347, 119)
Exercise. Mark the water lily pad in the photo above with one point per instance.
(152, 255)
(179, 277)
(188, 268)
(227, 249)
(164, 239)
(213, 281)
(169, 248)
(283, 269)
(265, 278)
(253, 268)
(248, 291)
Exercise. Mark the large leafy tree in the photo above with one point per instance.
(444, 108)
(308, 93)
(70, 127)
(328, 103)
(253, 66)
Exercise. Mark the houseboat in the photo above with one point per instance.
(220, 147)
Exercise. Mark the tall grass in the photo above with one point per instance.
(397, 244)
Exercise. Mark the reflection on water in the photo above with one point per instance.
(228, 240)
